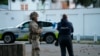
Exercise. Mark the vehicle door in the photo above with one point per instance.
(24, 31)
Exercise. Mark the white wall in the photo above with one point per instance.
(37, 5)
(91, 24)
(10, 19)
(17, 4)
(85, 21)
(32, 5)
(13, 18)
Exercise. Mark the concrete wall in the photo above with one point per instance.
(85, 21)
(10, 19)
(13, 18)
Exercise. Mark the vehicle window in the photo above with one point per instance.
(45, 24)
(26, 25)
(40, 23)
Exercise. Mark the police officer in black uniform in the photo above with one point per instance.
(65, 29)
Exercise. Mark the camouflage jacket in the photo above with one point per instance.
(34, 30)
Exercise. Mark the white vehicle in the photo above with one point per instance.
(9, 35)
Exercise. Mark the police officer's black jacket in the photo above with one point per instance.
(65, 27)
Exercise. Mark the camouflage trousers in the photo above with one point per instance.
(35, 48)
(35, 52)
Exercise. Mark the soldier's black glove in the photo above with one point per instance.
(72, 36)
(56, 43)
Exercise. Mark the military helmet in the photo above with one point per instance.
(33, 14)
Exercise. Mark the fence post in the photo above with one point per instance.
(78, 38)
(95, 38)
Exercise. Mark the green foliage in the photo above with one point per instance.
(53, 1)
(84, 3)
(0, 36)
(13, 0)
(4, 2)
(43, 1)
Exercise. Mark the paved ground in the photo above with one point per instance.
(51, 50)
(79, 50)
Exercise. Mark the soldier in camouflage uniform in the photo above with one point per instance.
(34, 34)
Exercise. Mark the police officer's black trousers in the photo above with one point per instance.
(66, 41)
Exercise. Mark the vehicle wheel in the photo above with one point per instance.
(49, 39)
(8, 38)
